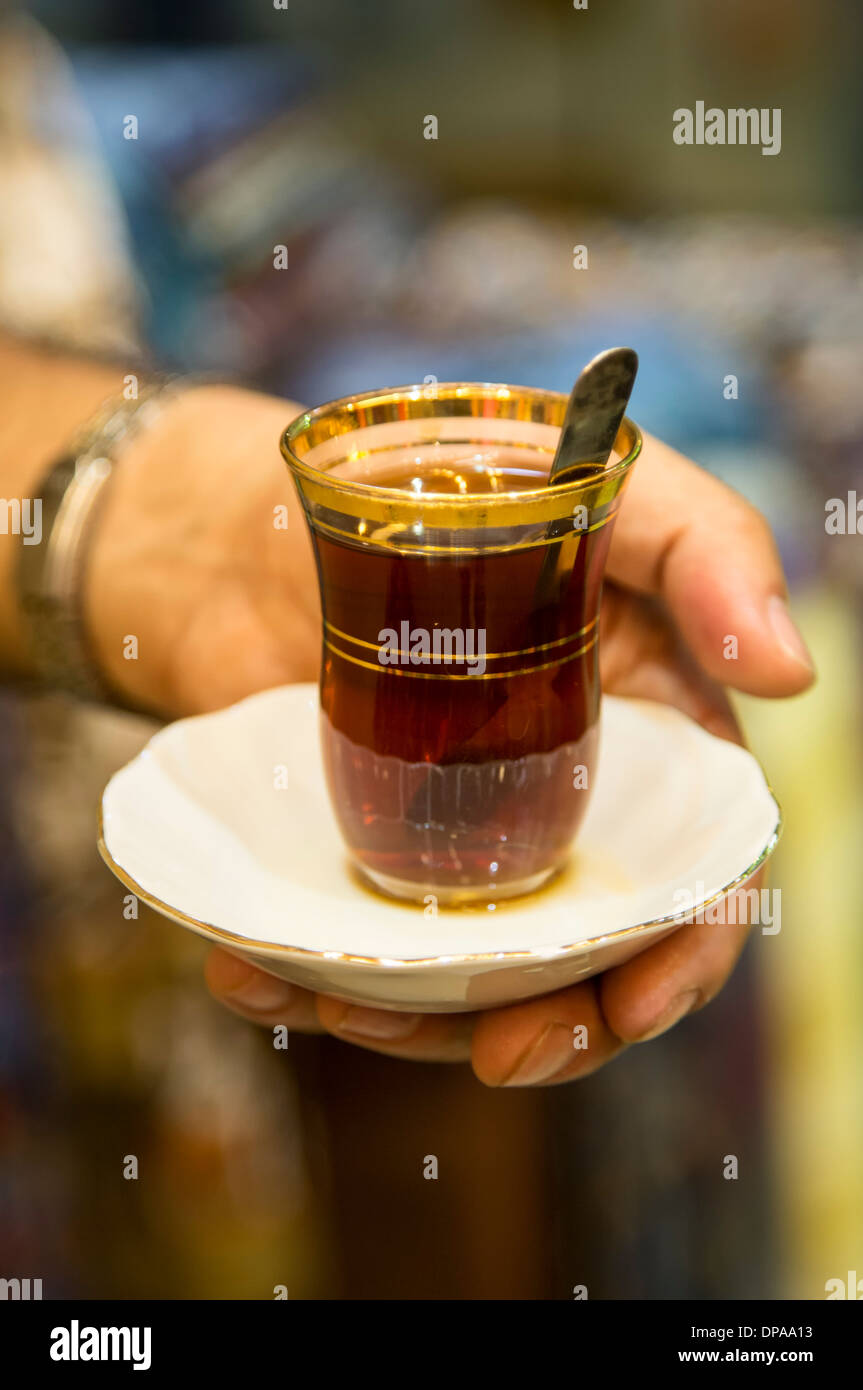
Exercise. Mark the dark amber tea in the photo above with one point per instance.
(480, 774)
(460, 594)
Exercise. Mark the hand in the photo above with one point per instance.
(187, 559)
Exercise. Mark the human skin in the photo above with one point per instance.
(185, 557)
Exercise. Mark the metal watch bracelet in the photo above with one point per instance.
(50, 573)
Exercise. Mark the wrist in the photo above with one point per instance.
(122, 598)
(167, 535)
(43, 402)
(51, 560)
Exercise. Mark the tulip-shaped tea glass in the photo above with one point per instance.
(460, 595)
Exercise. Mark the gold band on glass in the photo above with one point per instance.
(324, 492)
(450, 675)
(490, 656)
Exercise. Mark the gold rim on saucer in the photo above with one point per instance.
(447, 959)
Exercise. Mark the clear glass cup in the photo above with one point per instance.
(460, 595)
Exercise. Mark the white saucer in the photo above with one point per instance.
(198, 828)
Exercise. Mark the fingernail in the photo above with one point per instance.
(256, 991)
(548, 1055)
(378, 1023)
(676, 1010)
(787, 633)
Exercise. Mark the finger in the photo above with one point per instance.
(650, 993)
(642, 656)
(258, 996)
(685, 536)
(414, 1037)
(558, 1037)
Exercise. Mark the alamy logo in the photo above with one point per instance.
(738, 126)
(838, 1288)
(20, 1290)
(76, 1343)
(442, 646)
(747, 907)
(844, 517)
(21, 516)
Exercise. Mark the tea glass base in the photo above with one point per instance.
(459, 895)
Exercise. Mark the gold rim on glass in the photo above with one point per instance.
(474, 402)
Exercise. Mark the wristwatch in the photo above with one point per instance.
(50, 570)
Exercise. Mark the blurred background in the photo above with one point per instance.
(455, 257)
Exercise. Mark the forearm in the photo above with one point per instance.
(45, 397)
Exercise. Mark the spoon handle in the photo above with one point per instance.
(593, 415)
